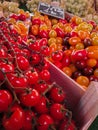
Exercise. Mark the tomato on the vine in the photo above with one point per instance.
(5, 100)
(15, 119)
(30, 98)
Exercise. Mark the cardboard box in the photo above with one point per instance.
(83, 103)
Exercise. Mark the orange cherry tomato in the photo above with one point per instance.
(74, 40)
(53, 47)
(73, 68)
(92, 52)
(52, 33)
(59, 40)
(35, 29)
(83, 34)
(59, 46)
(79, 46)
(91, 62)
(83, 80)
(51, 40)
(54, 21)
(67, 28)
(96, 72)
(95, 41)
(67, 71)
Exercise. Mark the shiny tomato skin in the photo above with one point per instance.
(30, 99)
(44, 121)
(5, 100)
(16, 119)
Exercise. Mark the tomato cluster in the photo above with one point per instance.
(28, 99)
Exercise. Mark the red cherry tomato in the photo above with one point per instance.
(45, 75)
(30, 99)
(5, 100)
(57, 55)
(42, 106)
(15, 120)
(78, 55)
(29, 116)
(44, 122)
(23, 63)
(60, 32)
(56, 112)
(43, 34)
(32, 77)
(36, 21)
(57, 94)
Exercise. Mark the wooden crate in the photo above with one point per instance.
(83, 103)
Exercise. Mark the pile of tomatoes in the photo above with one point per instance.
(28, 98)
(71, 44)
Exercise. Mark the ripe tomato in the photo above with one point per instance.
(5, 100)
(57, 94)
(60, 32)
(56, 111)
(74, 40)
(78, 55)
(44, 122)
(5, 68)
(36, 21)
(35, 46)
(52, 33)
(41, 87)
(43, 34)
(30, 99)
(45, 75)
(32, 77)
(45, 51)
(29, 116)
(35, 30)
(35, 59)
(19, 83)
(57, 55)
(22, 62)
(3, 53)
(15, 120)
(43, 42)
(42, 106)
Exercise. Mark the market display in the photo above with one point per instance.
(28, 42)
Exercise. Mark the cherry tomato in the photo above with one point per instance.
(17, 82)
(41, 87)
(60, 32)
(45, 75)
(56, 111)
(42, 106)
(15, 120)
(74, 40)
(92, 52)
(57, 55)
(5, 100)
(30, 99)
(35, 59)
(35, 30)
(79, 55)
(32, 77)
(36, 21)
(57, 94)
(43, 34)
(23, 63)
(52, 33)
(82, 80)
(45, 122)
(29, 116)
(67, 71)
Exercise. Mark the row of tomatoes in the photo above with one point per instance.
(28, 99)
